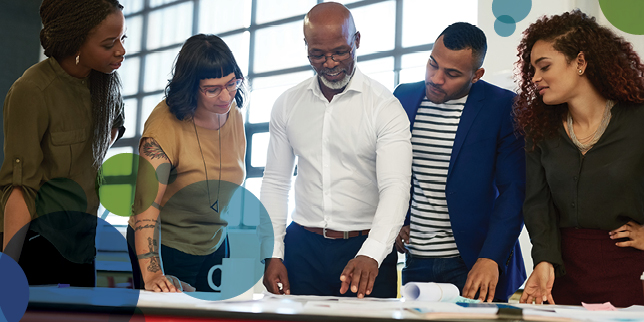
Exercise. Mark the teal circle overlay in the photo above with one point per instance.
(250, 241)
(121, 175)
(14, 290)
(503, 28)
(508, 13)
(517, 9)
(625, 15)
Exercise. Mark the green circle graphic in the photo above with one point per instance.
(625, 15)
(122, 173)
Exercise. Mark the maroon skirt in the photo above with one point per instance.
(598, 271)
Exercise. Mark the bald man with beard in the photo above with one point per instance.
(350, 137)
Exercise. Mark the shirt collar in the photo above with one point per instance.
(60, 72)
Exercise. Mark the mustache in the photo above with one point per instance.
(436, 88)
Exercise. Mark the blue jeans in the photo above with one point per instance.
(439, 270)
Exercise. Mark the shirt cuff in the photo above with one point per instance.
(374, 249)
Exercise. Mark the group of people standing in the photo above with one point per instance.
(445, 170)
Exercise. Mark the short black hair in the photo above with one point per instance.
(463, 35)
(201, 57)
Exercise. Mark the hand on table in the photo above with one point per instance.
(538, 288)
(633, 231)
(482, 278)
(275, 272)
(168, 283)
(402, 239)
(361, 274)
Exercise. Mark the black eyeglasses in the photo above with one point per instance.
(213, 91)
(337, 57)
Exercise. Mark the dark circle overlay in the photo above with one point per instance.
(121, 174)
(75, 235)
(57, 292)
(14, 290)
(250, 241)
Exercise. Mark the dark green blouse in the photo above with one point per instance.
(603, 189)
(48, 135)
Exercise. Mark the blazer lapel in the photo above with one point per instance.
(472, 107)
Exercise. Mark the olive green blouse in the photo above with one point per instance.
(603, 189)
(48, 135)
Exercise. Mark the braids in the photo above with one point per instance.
(107, 104)
(66, 24)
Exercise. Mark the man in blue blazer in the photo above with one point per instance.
(468, 174)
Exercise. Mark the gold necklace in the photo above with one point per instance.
(589, 141)
(214, 206)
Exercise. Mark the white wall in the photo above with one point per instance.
(502, 53)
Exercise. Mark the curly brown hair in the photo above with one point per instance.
(614, 69)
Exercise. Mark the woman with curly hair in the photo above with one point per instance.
(580, 107)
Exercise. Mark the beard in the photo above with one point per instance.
(339, 84)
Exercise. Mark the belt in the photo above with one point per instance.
(334, 234)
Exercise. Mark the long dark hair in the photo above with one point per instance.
(201, 57)
(614, 69)
(66, 24)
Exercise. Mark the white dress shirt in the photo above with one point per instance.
(354, 162)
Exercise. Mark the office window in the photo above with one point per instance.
(267, 41)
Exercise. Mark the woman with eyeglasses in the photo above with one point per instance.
(194, 144)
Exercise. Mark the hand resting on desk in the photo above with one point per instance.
(361, 274)
(274, 273)
(167, 283)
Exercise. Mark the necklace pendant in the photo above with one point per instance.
(215, 206)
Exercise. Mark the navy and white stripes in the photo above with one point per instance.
(432, 140)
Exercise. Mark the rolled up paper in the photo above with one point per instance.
(430, 292)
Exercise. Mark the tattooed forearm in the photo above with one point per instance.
(147, 255)
(142, 220)
(152, 149)
(143, 227)
(154, 260)
(154, 265)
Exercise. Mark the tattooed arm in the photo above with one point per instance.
(146, 217)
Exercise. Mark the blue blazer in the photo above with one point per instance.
(485, 185)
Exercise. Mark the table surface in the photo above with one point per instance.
(98, 304)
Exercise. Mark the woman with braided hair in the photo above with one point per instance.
(60, 118)
(581, 107)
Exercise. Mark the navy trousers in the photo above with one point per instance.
(314, 264)
(192, 269)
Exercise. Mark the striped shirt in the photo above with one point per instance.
(432, 141)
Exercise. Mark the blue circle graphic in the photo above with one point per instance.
(249, 242)
(517, 9)
(508, 13)
(503, 28)
(14, 290)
